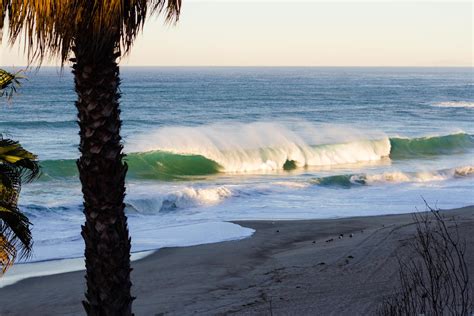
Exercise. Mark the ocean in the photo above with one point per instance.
(210, 145)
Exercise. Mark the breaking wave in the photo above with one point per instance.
(428, 146)
(349, 180)
(182, 152)
(188, 197)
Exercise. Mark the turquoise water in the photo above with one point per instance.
(207, 145)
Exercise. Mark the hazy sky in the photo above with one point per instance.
(305, 33)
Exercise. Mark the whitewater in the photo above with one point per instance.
(207, 146)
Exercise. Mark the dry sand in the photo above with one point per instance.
(286, 268)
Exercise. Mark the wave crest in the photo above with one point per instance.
(402, 148)
(182, 152)
(454, 104)
(185, 198)
(350, 180)
(266, 146)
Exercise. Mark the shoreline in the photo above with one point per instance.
(291, 267)
(24, 270)
(27, 270)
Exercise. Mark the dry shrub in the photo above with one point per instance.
(434, 277)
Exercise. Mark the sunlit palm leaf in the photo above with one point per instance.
(11, 152)
(9, 82)
(6, 79)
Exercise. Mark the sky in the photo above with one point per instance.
(302, 33)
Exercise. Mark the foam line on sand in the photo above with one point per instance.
(43, 268)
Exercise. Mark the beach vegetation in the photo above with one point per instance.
(9, 82)
(434, 278)
(93, 35)
(17, 166)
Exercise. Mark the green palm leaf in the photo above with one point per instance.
(10, 177)
(13, 154)
(15, 226)
(16, 164)
(15, 233)
(6, 79)
(9, 82)
(15, 236)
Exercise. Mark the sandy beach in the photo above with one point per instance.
(285, 268)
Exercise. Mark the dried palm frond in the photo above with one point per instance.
(50, 27)
(7, 254)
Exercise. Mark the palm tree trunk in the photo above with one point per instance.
(102, 174)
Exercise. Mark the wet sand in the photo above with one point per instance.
(285, 268)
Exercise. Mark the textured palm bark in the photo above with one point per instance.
(102, 174)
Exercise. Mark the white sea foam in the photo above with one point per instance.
(182, 198)
(267, 146)
(464, 171)
(192, 197)
(293, 184)
(454, 104)
(423, 176)
(43, 268)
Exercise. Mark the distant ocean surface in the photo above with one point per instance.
(210, 145)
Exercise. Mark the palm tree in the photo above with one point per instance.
(16, 164)
(96, 33)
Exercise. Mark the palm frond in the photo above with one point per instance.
(6, 79)
(9, 82)
(11, 152)
(7, 254)
(10, 178)
(15, 228)
(10, 186)
(51, 27)
(15, 234)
